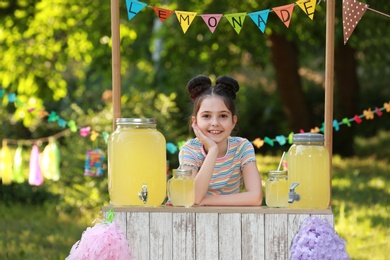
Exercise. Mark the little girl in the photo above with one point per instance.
(221, 164)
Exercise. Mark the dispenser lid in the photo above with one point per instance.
(136, 121)
(308, 137)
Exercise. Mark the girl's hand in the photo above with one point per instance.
(207, 142)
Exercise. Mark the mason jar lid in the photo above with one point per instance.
(182, 171)
(276, 173)
(308, 137)
(136, 121)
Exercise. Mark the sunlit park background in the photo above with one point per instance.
(55, 77)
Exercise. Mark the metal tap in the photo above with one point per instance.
(292, 195)
(143, 194)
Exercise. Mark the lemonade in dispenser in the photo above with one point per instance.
(308, 172)
(136, 163)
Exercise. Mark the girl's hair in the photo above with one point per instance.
(200, 88)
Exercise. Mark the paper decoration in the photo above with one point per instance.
(171, 148)
(84, 132)
(368, 114)
(284, 13)
(258, 143)
(133, 8)
(211, 20)
(18, 166)
(185, 19)
(162, 13)
(6, 164)
(236, 20)
(308, 7)
(352, 13)
(317, 239)
(105, 240)
(260, 19)
(53, 117)
(50, 161)
(35, 175)
(94, 163)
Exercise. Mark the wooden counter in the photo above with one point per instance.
(208, 233)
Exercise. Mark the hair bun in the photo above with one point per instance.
(198, 85)
(227, 84)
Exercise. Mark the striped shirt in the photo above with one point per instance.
(227, 176)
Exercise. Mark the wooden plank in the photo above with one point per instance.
(120, 220)
(252, 243)
(276, 243)
(183, 240)
(329, 218)
(138, 234)
(293, 226)
(206, 236)
(227, 209)
(161, 236)
(229, 236)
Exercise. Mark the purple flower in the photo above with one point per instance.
(317, 239)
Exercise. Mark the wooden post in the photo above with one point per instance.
(329, 82)
(116, 61)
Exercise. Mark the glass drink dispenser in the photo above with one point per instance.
(308, 172)
(136, 163)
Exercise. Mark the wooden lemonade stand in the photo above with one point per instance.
(216, 232)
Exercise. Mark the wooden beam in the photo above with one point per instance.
(116, 61)
(329, 81)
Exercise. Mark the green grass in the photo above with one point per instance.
(38, 232)
(360, 203)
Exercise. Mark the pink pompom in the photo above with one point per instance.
(101, 242)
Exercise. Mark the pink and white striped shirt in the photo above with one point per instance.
(227, 176)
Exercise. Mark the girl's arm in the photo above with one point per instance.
(203, 177)
(252, 196)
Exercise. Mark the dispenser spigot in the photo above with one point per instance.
(292, 195)
(143, 194)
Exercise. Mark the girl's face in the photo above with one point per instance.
(214, 119)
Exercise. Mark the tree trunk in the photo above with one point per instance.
(346, 90)
(285, 60)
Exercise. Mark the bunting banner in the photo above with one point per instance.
(353, 11)
(236, 20)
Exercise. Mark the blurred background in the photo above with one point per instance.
(55, 68)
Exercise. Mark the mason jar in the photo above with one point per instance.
(136, 163)
(309, 172)
(181, 188)
(276, 188)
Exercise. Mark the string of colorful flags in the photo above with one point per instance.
(353, 11)
(46, 164)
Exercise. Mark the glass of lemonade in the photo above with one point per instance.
(276, 189)
(181, 190)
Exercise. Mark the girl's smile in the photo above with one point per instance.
(215, 120)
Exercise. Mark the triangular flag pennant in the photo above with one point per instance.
(211, 20)
(162, 13)
(185, 19)
(308, 7)
(260, 19)
(353, 11)
(284, 13)
(133, 8)
(236, 20)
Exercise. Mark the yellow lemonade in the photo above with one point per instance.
(276, 191)
(181, 192)
(308, 165)
(137, 166)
